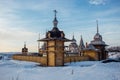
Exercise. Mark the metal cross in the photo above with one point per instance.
(55, 12)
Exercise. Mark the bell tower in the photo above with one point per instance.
(55, 45)
(24, 50)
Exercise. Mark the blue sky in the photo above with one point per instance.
(22, 20)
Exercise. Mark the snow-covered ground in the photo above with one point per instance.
(84, 70)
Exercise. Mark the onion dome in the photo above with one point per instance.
(98, 38)
(55, 32)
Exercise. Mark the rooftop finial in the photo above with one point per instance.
(24, 44)
(55, 22)
(55, 12)
(97, 26)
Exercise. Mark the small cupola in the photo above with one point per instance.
(97, 40)
(55, 21)
(55, 32)
(24, 50)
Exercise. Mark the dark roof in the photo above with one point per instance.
(55, 33)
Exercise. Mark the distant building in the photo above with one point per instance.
(73, 48)
(96, 49)
(25, 50)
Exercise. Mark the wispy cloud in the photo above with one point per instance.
(97, 2)
(109, 12)
(21, 20)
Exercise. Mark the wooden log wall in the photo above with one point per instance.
(43, 60)
(38, 59)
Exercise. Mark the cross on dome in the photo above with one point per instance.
(55, 22)
(55, 11)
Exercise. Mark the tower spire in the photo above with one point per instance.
(81, 45)
(73, 39)
(24, 44)
(55, 22)
(97, 26)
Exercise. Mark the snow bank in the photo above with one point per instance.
(114, 55)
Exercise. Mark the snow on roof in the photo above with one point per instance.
(97, 42)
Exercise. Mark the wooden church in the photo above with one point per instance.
(55, 45)
(55, 50)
